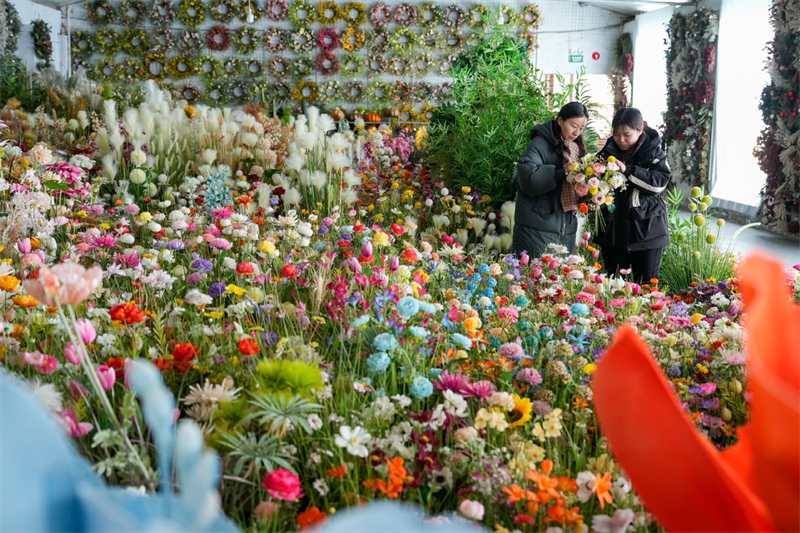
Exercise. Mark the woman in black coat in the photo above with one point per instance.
(637, 231)
(540, 217)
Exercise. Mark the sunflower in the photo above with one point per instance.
(521, 412)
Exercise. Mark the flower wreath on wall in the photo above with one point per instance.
(377, 65)
(135, 42)
(275, 40)
(241, 8)
(327, 63)
(305, 90)
(83, 45)
(277, 10)
(351, 65)
(192, 13)
(327, 13)
(301, 14)
(402, 40)
(189, 93)
(100, 12)
(428, 40)
(477, 17)
(217, 92)
(422, 63)
(405, 15)
(354, 13)
(42, 43)
(132, 12)
(691, 62)
(155, 66)
(218, 39)
(280, 67)
(190, 43)
(246, 40)
(328, 39)
(354, 91)
(778, 149)
(398, 64)
(233, 67)
(302, 41)
(329, 92)
(210, 68)
(379, 92)
(181, 67)
(353, 39)
(304, 66)
(379, 40)
(108, 41)
(429, 14)
(161, 13)
(222, 10)
(453, 16)
(162, 41)
(380, 15)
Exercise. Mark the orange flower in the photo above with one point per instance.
(337, 472)
(752, 485)
(396, 471)
(391, 489)
(8, 283)
(25, 300)
(517, 493)
(603, 485)
(580, 403)
(311, 516)
(126, 313)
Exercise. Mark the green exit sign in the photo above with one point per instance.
(575, 58)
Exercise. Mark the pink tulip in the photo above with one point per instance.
(24, 246)
(78, 391)
(72, 426)
(472, 509)
(366, 249)
(352, 264)
(394, 263)
(107, 376)
(85, 329)
(70, 283)
(73, 353)
(525, 259)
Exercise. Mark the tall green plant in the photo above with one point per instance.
(477, 137)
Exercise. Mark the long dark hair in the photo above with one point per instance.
(630, 117)
(571, 110)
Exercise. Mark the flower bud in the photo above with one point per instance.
(107, 376)
(73, 353)
(366, 249)
(85, 329)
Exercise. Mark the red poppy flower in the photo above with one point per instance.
(183, 354)
(311, 516)
(397, 230)
(126, 313)
(244, 269)
(248, 346)
(409, 256)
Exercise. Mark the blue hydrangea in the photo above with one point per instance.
(491, 282)
(495, 342)
(579, 309)
(347, 229)
(462, 340)
(217, 191)
(407, 307)
(484, 268)
(425, 307)
(320, 246)
(531, 341)
(472, 287)
(476, 278)
(546, 333)
(488, 292)
(418, 332)
(360, 321)
(521, 301)
(421, 387)
(385, 342)
(378, 362)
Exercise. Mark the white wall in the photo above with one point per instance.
(649, 65)
(30, 11)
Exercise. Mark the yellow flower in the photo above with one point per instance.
(590, 369)
(214, 314)
(145, 217)
(235, 289)
(521, 412)
(378, 217)
(420, 274)
(702, 368)
(8, 283)
(697, 317)
(105, 225)
(472, 323)
(612, 159)
(395, 185)
(593, 190)
(466, 190)
(461, 354)
(81, 214)
(25, 300)
(589, 171)
(189, 110)
(380, 238)
(574, 167)
(266, 247)
(417, 205)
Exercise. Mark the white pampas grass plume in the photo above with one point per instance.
(292, 196)
(507, 211)
(326, 123)
(478, 224)
(313, 116)
(506, 239)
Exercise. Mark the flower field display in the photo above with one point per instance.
(342, 326)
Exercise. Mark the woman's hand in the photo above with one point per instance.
(621, 166)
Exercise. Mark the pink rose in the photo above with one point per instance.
(283, 485)
(471, 509)
(599, 168)
(582, 189)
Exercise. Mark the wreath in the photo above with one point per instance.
(157, 62)
(135, 42)
(407, 114)
(380, 14)
(82, 44)
(398, 64)
(253, 67)
(402, 90)
(351, 65)
(327, 13)
(233, 68)
(402, 40)
(446, 64)
(423, 91)
(302, 41)
(506, 15)
(108, 41)
(217, 92)
(105, 70)
(353, 39)
(161, 41)
(305, 90)
(354, 13)
(222, 10)
(453, 16)
(210, 68)
(478, 16)
(277, 10)
(275, 40)
(428, 40)
(190, 43)
(188, 93)
(429, 14)
(192, 13)
(379, 40)
(246, 40)
(377, 65)
(162, 13)
(379, 92)
(327, 63)
(12, 29)
(426, 115)
(280, 67)
(452, 41)
(301, 14)
(180, 67)
(329, 91)
(280, 91)
(445, 91)
(354, 91)
(422, 63)
(405, 15)
(530, 16)
(239, 89)
(125, 16)
(328, 39)
(304, 66)
(100, 12)
(42, 43)
(240, 10)
(132, 70)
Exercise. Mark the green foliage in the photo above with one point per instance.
(693, 254)
(42, 43)
(295, 377)
(17, 82)
(249, 454)
(477, 137)
(278, 413)
(12, 29)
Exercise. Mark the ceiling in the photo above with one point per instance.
(633, 7)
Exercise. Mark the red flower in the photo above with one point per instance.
(127, 313)
(289, 271)
(343, 244)
(183, 354)
(311, 516)
(409, 256)
(248, 346)
(447, 239)
(118, 364)
(244, 269)
(162, 364)
(397, 230)
(583, 208)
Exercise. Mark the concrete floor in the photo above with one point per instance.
(757, 238)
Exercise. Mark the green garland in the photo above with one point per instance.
(402, 40)
(139, 9)
(217, 92)
(42, 43)
(246, 40)
(100, 12)
(329, 92)
(13, 26)
(301, 14)
(254, 68)
(185, 13)
(105, 70)
(379, 92)
(83, 45)
(351, 65)
(222, 16)
(135, 42)
(429, 9)
(108, 41)
(210, 68)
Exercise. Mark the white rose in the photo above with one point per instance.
(138, 158)
(137, 176)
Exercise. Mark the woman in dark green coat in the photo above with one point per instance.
(541, 217)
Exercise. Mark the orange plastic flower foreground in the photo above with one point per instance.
(682, 479)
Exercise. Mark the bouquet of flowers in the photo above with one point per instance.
(598, 179)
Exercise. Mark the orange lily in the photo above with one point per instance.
(602, 487)
(682, 479)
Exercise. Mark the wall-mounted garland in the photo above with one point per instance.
(778, 150)
(691, 64)
(42, 43)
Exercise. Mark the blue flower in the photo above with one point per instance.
(360, 321)
(418, 332)
(203, 265)
(421, 387)
(407, 307)
(491, 282)
(378, 362)
(579, 309)
(484, 268)
(488, 292)
(427, 308)
(521, 301)
(472, 287)
(546, 333)
(434, 372)
(463, 340)
(385, 342)
(476, 278)
(217, 289)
